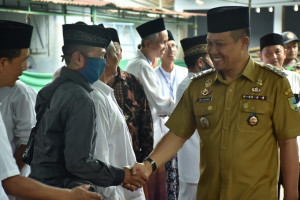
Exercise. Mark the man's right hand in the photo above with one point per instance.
(133, 182)
(82, 193)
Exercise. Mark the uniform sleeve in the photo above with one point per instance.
(8, 166)
(79, 145)
(182, 120)
(285, 118)
(23, 117)
(148, 78)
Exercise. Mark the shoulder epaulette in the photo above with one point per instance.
(203, 73)
(274, 69)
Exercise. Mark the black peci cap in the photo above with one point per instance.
(15, 35)
(194, 45)
(271, 39)
(227, 18)
(289, 36)
(170, 36)
(113, 35)
(83, 34)
(101, 25)
(150, 27)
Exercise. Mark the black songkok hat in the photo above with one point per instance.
(114, 35)
(194, 45)
(271, 39)
(289, 36)
(170, 36)
(153, 26)
(83, 34)
(14, 35)
(101, 25)
(227, 18)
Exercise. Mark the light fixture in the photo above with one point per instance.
(271, 9)
(199, 2)
(296, 7)
(258, 9)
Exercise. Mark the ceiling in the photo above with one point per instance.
(181, 5)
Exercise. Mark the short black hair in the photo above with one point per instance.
(10, 53)
(190, 61)
(237, 34)
(69, 49)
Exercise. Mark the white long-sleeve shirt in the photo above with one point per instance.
(8, 166)
(113, 142)
(141, 67)
(168, 83)
(189, 154)
(17, 109)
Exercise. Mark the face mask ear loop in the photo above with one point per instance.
(84, 65)
(207, 66)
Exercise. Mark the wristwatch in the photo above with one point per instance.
(152, 162)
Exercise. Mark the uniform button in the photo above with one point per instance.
(226, 108)
(209, 108)
(245, 105)
(229, 90)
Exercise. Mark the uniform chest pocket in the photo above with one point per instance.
(253, 116)
(206, 118)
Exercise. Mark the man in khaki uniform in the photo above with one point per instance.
(241, 110)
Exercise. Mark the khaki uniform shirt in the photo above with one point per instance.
(237, 160)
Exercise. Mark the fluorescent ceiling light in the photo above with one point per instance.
(199, 2)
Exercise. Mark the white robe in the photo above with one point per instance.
(188, 155)
(113, 142)
(142, 68)
(17, 108)
(168, 83)
(8, 166)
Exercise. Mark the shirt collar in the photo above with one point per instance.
(103, 87)
(190, 74)
(141, 55)
(76, 77)
(249, 72)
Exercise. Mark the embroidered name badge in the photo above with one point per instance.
(206, 99)
(292, 102)
(255, 97)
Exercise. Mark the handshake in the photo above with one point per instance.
(137, 175)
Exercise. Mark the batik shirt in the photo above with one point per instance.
(132, 100)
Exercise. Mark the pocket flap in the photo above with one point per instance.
(255, 106)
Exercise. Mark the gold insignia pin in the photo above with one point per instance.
(259, 82)
(206, 91)
(208, 83)
(245, 106)
(255, 89)
(204, 123)
(253, 119)
(288, 91)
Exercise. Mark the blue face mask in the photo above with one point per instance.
(93, 69)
